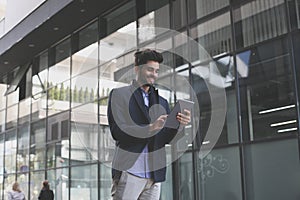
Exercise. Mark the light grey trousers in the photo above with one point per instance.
(131, 187)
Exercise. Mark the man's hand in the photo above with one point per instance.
(184, 118)
(158, 124)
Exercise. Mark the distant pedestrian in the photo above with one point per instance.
(46, 193)
(16, 193)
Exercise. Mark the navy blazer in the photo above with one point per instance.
(128, 119)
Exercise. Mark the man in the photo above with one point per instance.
(136, 116)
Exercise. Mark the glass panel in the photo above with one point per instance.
(105, 181)
(36, 179)
(179, 13)
(202, 8)
(59, 98)
(58, 154)
(148, 23)
(12, 117)
(84, 183)
(3, 88)
(38, 145)
(84, 134)
(220, 167)
(60, 71)
(59, 183)
(269, 163)
(10, 151)
(267, 91)
(23, 180)
(13, 98)
(40, 74)
(167, 185)
(24, 111)
(294, 13)
(186, 183)
(116, 44)
(258, 21)
(2, 169)
(84, 88)
(2, 120)
(8, 182)
(213, 35)
(23, 149)
(38, 107)
(87, 56)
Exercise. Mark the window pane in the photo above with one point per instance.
(58, 154)
(269, 163)
(267, 91)
(84, 182)
(38, 145)
(220, 166)
(258, 21)
(10, 151)
(84, 134)
(8, 182)
(148, 23)
(60, 71)
(12, 117)
(3, 88)
(116, 44)
(186, 184)
(59, 98)
(105, 181)
(213, 35)
(23, 149)
(2, 120)
(87, 56)
(202, 8)
(38, 107)
(59, 183)
(36, 179)
(84, 88)
(24, 111)
(40, 74)
(23, 180)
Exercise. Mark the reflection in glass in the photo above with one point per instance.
(23, 149)
(59, 98)
(58, 154)
(59, 183)
(116, 44)
(12, 117)
(39, 74)
(267, 93)
(10, 151)
(60, 71)
(84, 182)
(38, 107)
(3, 88)
(23, 180)
(13, 97)
(38, 145)
(258, 21)
(214, 36)
(84, 134)
(202, 8)
(269, 163)
(8, 182)
(36, 179)
(24, 110)
(84, 88)
(2, 120)
(186, 176)
(220, 167)
(105, 181)
(148, 23)
(87, 56)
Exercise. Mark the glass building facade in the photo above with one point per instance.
(53, 121)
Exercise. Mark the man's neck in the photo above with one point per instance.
(146, 88)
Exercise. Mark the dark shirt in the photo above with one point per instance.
(46, 195)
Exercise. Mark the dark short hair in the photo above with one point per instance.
(142, 57)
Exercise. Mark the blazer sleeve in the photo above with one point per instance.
(121, 125)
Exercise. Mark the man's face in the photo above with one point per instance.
(148, 73)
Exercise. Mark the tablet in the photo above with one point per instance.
(180, 105)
